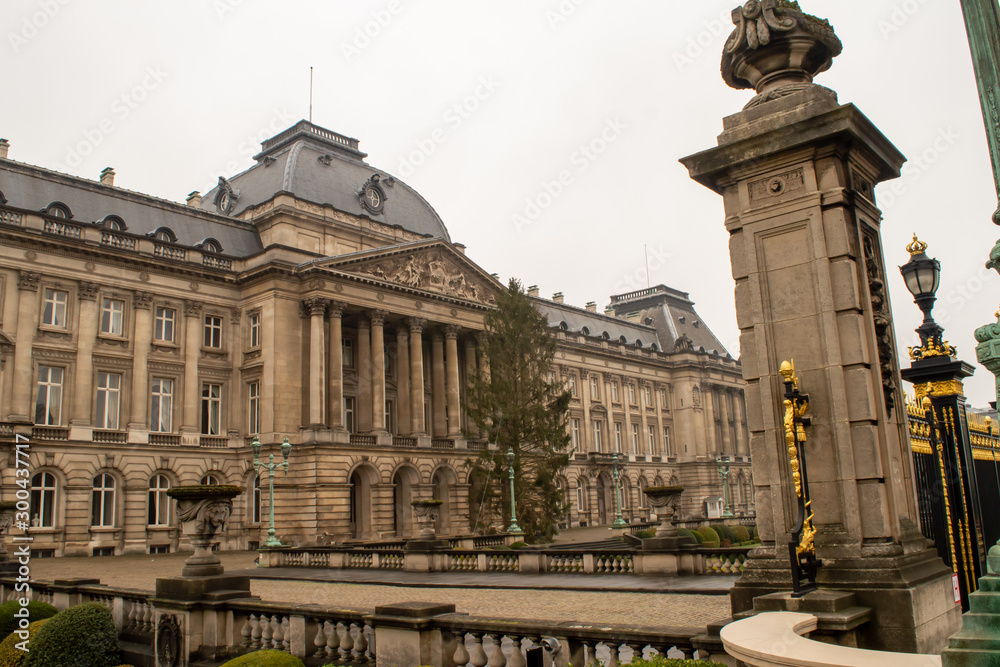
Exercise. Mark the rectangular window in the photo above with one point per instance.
(253, 408)
(163, 324)
(593, 388)
(598, 441)
(54, 308)
(635, 438)
(652, 439)
(663, 399)
(213, 331)
(349, 413)
(211, 409)
(112, 317)
(648, 394)
(614, 391)
(162, 408)
(348, 347)
(575, 433)
(666, 440)
(631, 394)
(390, 416)
(389, 356)
(571, 382)
(48, 403)
(109, 387)
(253, 320)
(102, 505)
(618, 437)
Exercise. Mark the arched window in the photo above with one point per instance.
(159, 503)
(43, 500)
(210, 245)
(164, 234)
(114, 223)
(255, 499)
(58, 210)
(210, 479)
(102, 508)
(3, 200)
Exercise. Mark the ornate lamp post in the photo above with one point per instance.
(619, 521)
(722, 463)
(270, 466)
(513, 527)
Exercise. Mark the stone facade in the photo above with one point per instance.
(143, 344)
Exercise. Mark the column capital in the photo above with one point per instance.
(584, 373)
(451, 332)
(142, 300)
(316, 305)
(417, 325)
(377, 317)
(335, 309)
(88, 290)
(28, 280)
(192, 308)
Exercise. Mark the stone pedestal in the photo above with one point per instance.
(797, 173)
(404, 636)
(977, 644)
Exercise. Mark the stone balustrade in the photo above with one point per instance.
(775, 638)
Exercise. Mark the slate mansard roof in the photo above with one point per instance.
(323, 167)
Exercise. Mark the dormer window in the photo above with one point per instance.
(210, 245)
(3, 200)
(585, 331)
(58, 210)
(164, 234)
(114, 224)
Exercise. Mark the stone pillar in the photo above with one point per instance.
(588, 423)
(659, 423)
(190, 415)
(403, 395)
(417, 426)
(364, 402)
(84, 379)
(797, 173)
(470, 372)
(27, 324)
(708, 401)
(646, 447)
(142, 337)
(454, 406)
(335, 380)
(438, 398)
(727, 442)
(316, 307)
(627, 426)
(238, 409)
(377, 318)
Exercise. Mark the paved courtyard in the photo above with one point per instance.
(615, 599)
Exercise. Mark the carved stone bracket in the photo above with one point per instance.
(142, 300)
(192, 308)
(88, 290)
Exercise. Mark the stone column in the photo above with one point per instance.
(727, 442)
(27, 325)
(417, 426)
(193, 330)
(403, 370)
(588, 423)
(658, 402)
(708, 400)
(364, 402)
(470, 372)
(316, 307)
(238, 409)
(438, 398)
(86, 334)
(797, 174)
(627, 426)
(142, 337)
(377, 318)
(335, 381)
(454, 406)
(645, 446)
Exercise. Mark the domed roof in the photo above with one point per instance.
(323, 167)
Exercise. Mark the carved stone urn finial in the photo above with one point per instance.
(665, 500)
(427, 512)
(204, 511)
(777, 49)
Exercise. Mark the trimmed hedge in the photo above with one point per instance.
(742, 534)
(81, 636)
(36, 612)
(646, 533)
(711, 537)
(725, 532)
(265, 658)
(684, 532)
(10, 655)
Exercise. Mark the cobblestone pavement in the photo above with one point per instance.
(587, 606)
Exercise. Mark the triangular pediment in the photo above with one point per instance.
(429, 266)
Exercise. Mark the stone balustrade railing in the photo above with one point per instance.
(346, 636)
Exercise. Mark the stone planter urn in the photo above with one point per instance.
(427, 513)
(7, 509)
(203, 511)
(665, 501)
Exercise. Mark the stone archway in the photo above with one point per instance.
(444, 481)
(402, 493)
(362, 482)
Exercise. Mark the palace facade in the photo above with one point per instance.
(145, 343)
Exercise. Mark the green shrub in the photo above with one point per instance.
(724, 531)
(36, 612)
(756, 535)
(741, 533)
(684, 532)
(81, 636)
(265, 658)
(646, 533)
(709, 534)
(662, 661)
(518, 545)
(10, 654)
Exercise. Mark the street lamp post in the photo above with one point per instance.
(270, 466)
(619, 521)
(513, 527)
(724, 469)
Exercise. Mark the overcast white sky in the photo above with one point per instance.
(175, 94)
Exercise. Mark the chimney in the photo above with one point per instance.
(592, 306)
(558, 297)
(460, 247)
(609, 311)
(533, 291)
(194, 199)
(4, 147)
(108, 176)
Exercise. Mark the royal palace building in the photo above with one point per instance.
(145, 343)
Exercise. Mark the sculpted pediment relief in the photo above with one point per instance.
(432, 270)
